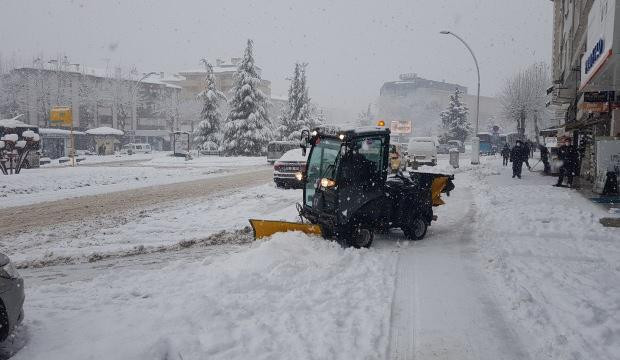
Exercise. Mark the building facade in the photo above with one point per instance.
(96, 97)
(586, 79)
(420, 101)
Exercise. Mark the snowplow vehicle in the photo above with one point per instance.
(348, 193)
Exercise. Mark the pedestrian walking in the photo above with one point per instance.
(518, 155)
(569, 156)
(505, 154)
(544, 157)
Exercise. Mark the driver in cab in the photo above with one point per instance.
(356, 169)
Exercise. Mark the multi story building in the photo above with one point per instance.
(420, 101)
(97, 97)
(586, 78)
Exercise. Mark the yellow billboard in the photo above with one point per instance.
(61, 116)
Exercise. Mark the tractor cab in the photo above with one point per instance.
(345, 170)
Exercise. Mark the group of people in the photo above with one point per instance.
(521, 152)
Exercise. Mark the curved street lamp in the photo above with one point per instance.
(475, 151)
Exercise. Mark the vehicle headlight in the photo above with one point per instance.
(9, 271)
(325, 182)
(299, 176)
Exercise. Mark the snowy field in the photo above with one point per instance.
(54, 183)
(551, 268)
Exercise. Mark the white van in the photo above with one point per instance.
(422, 151)
(139, 148)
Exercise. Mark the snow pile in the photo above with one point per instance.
(155, 229)
(556, 266)
(292, 297)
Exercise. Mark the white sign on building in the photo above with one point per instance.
(598, 64)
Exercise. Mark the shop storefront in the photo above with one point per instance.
(597, 124)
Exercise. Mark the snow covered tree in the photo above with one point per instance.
(247, 130)
(524, 95)
(299, 113)
(366, 118)
(207, 135)
(454, 121)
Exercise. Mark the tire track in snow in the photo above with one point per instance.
(443, 307)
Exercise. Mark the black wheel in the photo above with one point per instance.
(279, 184)
(416, 230)
(359, 236)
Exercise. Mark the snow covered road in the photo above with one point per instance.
(512, 269)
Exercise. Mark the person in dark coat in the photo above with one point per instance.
(544, 157)
(505, 154)
(518, 155)
(570, 158)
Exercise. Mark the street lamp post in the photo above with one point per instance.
(475, 148)
(134, 110)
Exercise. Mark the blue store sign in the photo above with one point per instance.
(596, 53)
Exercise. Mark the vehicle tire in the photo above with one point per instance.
(434, 163)
(417, 229)
(359, 236)
(279, 184)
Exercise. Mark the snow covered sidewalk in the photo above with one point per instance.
(557, 267)
(291, 297)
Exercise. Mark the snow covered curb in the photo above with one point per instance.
(292, 297)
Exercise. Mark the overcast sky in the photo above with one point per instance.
(352, 46)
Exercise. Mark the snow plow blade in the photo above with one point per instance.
(265, 228)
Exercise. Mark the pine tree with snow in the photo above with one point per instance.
(208, 135)
(454, 120)
(247, 130)
(299, 114)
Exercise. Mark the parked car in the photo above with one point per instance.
(11, 297)
(138, 148)
(286, 169)
(276, 149)
(422, 151)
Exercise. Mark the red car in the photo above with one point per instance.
(287, 170)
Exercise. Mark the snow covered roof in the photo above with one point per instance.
(14, 123)
(104, 130)
(52, 131)
(294, 155)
